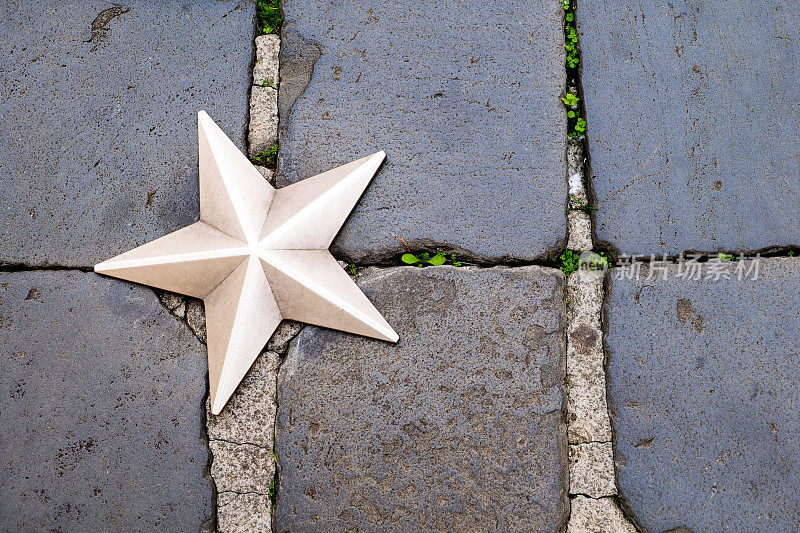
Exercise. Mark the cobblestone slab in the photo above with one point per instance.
(99, 105)
(457, 427)
(705, 404)
(464, 98)
(101, 413)
(693, 125)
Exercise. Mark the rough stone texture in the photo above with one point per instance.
(241, 467)
(99, 109)
(575, 174)
(591, 469)
(587, 407)
(249, 416)
(705, 404)
(589, 515)
(263, 119)
(288, 330)
(241, 440)
(580, 230)
(102, 408)
(170, 300)
(457, 427)
(243, 513)
(196, 317)
(465, 103)
(693, 125)
(265, 71)
(268, 174)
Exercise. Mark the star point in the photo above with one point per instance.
(258, 255)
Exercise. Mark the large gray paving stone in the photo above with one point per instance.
(101, 408)
(693, 124)
(704, 399)
(99, 105)
(458, 427)
(463, 97)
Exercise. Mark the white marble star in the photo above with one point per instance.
(258, 255)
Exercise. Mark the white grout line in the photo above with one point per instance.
(592, 483)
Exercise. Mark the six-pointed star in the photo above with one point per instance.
(258, 255)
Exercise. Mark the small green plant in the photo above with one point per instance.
(425, 259)
(570, 100)
(727, 257)
(571, 39)
(577, 124)
(268, 16)
(267, 157)
(580, 127)
(595, 261)
(267, 83)
(351, 269)
(273, 492)
(791, 253)
(570, 261)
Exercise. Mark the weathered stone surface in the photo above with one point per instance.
(263, 119)
(587, 408)
(196, 317)
(268, 174)
(249, 416)
(170, 300)
(580, 230)
(243, 513)
(265, 71)
(705, 405)
(459, 426)
(465, 103)
(241, 467)
(102, 408)
(693, 128)
(99, 111)
(591, 469)
(288, 330)
(590, 515)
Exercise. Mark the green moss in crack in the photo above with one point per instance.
(266, 83)
(267, 157)
(576, 123)
(273, 492)
(269, 16)
(572, 260)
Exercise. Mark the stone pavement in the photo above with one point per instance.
(102, 390)
(703, 393)
(475, 149)
(458, 427)
(693, 143)
(694, 130)
(492, 412)
(99, 110)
